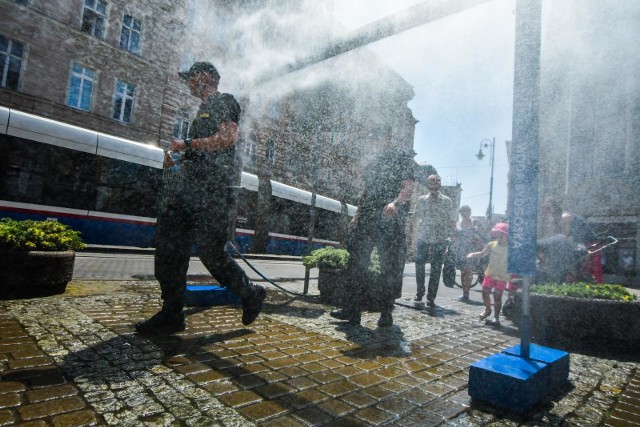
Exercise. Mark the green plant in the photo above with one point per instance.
(585, 290)
(327, 257)
(330, 257)
(32, 235)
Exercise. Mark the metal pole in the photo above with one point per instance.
(493, 151)
(525, 321)
(524, 167)
(312, 209)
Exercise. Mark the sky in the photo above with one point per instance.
(461, 70)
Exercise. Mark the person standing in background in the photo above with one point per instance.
(467, 240)
(435, 225)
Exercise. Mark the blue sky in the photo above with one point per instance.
(461, 68)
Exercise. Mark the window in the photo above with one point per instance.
(249, 151)
(123, 102)
(181, 127)
(10, 62)
(93, 17)
(130, 36)
(80, 87)
(270, 152)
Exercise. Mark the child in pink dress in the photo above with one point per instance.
(496, 276)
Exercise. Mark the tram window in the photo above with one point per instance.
(329, 224)
(246, 208)
(126, 188)
(44, 174)
(281, 212)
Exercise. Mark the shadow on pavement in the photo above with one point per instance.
(123, 362)
(388, 341)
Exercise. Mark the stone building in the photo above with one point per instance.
(108, 66)
(111, 66)
(590, 121)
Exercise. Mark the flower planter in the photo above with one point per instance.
(583, 323)
(331, 284)
(35, 273)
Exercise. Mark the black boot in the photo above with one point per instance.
(252, 304)
(340, 314)
(386, 319)
(352, 316)
(162, 323)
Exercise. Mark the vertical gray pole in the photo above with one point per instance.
(493, 158)
(312, 208)
(525, 154)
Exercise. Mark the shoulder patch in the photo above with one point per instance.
(204, 115)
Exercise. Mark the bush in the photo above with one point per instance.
(29, 235)
(585, 290)
(327, 257)
(330, 257)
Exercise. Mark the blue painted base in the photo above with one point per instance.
(208, 295)
(557, 360)
(511, 382)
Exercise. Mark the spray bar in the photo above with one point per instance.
(414, 16)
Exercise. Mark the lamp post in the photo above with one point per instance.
(489, 143)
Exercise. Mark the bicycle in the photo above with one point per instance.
(562, 262)
(479, 266)
(573, 272)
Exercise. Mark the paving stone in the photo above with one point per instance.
(312, 416)
(358, 399)
(6, 418)
(396, 406)
(75, 419)
(50, 407)
(49, 393)
(284, 421)
(304, 398)
(9, 400)
(240, 398)
(374, 416)
(366, 380)
(261, 411)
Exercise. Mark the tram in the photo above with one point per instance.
(110, 189)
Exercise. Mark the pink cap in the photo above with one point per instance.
(501, 227)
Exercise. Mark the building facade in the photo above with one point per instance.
(590, 122)
(107, 66)
(112, 66)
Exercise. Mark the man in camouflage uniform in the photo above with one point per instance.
(198, 214)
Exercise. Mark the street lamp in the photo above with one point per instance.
(488, 143)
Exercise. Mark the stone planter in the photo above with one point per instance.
(35, 273)
(331, 284)
(582, 323)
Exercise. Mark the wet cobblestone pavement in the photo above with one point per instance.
(74, 360)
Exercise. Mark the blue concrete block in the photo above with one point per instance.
(557, 360)
(208, 295)
(509, 382)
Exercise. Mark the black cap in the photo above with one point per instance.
(200, 67)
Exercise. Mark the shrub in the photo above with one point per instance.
(32, 235)
(330, 257)
(327, 257)
(585, 290)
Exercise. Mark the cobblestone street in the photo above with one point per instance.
(74, 360)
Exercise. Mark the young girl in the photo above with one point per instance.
(496, 276)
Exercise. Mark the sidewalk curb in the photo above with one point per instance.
(151, 251)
